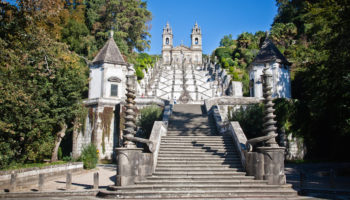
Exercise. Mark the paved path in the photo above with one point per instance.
(80, 180)
(317, 179)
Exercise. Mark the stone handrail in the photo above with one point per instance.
(239, 140)
(168, 109)
(221, 126)
(159, 129)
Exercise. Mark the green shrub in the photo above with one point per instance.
(148, 116)
(250, 119)
(139, 73)
(89, 156)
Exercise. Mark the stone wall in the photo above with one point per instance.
(103, 130)
(296, 148)
(31, 174)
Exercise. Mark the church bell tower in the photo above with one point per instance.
(196, 38)
(196, 44)
(167, 44)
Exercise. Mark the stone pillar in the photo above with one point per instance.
(41, 182)
(128, 155)
(273, 159)
(68, 180)
(272, 153)
(127, 167)
(13, 182)
(130, 118)
(255, 165)
(269, 122)
(96, 180)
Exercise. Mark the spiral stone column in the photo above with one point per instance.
(271, 164)
(128, 156)
(269, 122)
(130, 118)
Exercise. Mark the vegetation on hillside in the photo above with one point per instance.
(45, 46)
(315, 36)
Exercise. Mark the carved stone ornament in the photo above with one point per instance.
(114, 79)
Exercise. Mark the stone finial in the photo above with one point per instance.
(269, 122)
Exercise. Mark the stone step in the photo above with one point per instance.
(190, 148)
(191, 140)
(181, 165)
(196, 169)
(196, 137)
(213, 178)
(178, 118)
(201, 194)
(202, 155)
(201, 145)
(205, 187)
(190, 134)
(199, 151)
(208, 143)
(200, 173)
(172, 127)
(207, 161)
(190, 131)
(199, 141)
(202, 182)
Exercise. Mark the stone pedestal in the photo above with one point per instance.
(127, 166)
(255, 165)
(273, 159)
(132, 165)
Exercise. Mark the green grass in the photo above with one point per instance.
(105, 161)
(31, 165)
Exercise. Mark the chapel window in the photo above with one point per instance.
(114, 90)
(167, 40)
(196, 41)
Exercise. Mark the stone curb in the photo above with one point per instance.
(323, 191)
(52, 193)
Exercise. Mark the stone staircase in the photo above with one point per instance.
(171, 81)
(195, 163)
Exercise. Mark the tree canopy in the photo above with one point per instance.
(45, 46)
(314, 35)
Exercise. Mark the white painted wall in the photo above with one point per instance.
(95, 83)
(280, 80)
(112, 70)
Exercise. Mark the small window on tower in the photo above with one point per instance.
(167, 40)
(114, 90)
(196, 41)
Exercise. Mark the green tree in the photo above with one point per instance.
(130, 19)
(41, 85)
(227, 41)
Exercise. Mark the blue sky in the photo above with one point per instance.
(216, 18)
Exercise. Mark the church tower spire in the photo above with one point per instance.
(167, 43)
(196, 44)
(196, 37)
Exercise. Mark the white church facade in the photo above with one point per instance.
(177, 55)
